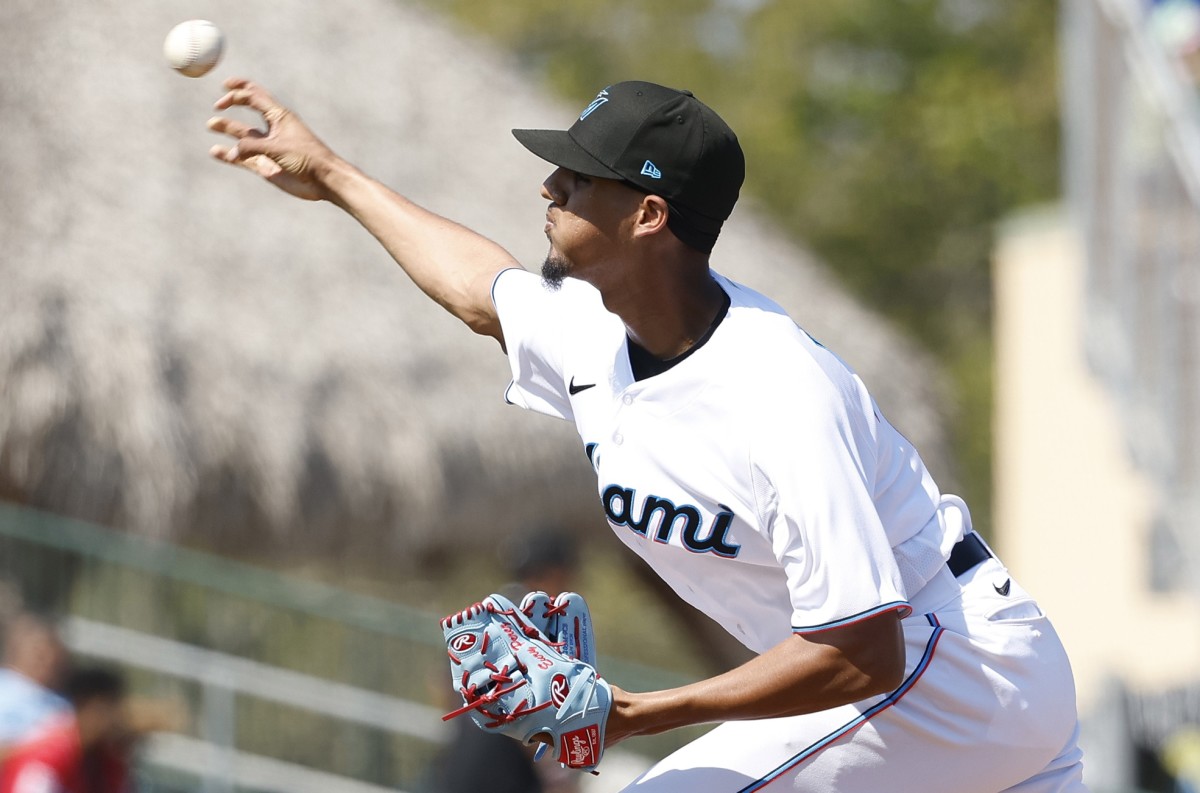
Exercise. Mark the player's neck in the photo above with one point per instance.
(667, 314)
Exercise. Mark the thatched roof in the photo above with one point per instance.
(185, 351)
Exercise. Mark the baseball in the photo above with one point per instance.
(194, 47)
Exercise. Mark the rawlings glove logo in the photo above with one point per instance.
(579, 747)
(463, 642)
(559, 688)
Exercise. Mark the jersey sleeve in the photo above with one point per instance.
(531, 316)
(813, 489)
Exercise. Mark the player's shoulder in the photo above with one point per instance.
(525, 297)
(772, 348)
(755, 313)
(517, 283)
(765, 334)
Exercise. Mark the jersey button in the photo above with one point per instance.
(628, 400)
(618, 439)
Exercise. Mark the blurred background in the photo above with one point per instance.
(245, 465)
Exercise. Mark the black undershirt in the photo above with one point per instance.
(644, 364)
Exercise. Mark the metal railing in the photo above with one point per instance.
(293, 683)
(214, 759)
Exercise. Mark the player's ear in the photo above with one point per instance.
(651, 216)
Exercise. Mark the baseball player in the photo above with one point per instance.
(742, 460)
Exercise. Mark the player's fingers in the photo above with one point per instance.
(246, 97)
(244, 149)
(233, 155)
(236, 84)
(252, 145)
(230, 154)
(231, 127)
(247, 94)
(264, 167)
(227, 154)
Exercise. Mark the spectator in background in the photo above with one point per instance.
(86, 751)
(475, 760)
(1176, 25)
(1180, 756)
(34, 663)
(544, 560)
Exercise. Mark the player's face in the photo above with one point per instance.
(588, 224)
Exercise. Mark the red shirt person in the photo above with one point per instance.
(82, 753)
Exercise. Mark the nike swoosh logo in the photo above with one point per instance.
(1003, 590)
(575, 389)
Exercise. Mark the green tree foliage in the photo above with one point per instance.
(888, 135)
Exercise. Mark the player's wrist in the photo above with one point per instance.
(650, 713)
(622, 717)
(335, 178)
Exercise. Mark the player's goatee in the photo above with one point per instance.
(555, 270)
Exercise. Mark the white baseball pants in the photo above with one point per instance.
(987, 706)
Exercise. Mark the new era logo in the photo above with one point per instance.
(651, 170)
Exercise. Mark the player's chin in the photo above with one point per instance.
(555, 269)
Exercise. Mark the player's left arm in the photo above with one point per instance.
(805, 673)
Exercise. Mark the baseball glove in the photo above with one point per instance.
(564, 622)
(514, 679)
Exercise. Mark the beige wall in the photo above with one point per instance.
(1072, 515)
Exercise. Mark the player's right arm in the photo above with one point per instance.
(452, 264)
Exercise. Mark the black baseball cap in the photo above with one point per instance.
(661, 141)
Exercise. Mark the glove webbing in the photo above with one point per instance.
(473, 699)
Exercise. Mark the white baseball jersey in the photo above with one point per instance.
(757, 477)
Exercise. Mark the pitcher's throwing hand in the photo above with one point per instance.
(287, 154)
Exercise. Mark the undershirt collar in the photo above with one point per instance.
(644, 364)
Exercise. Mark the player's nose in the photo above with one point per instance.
(552, 188)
